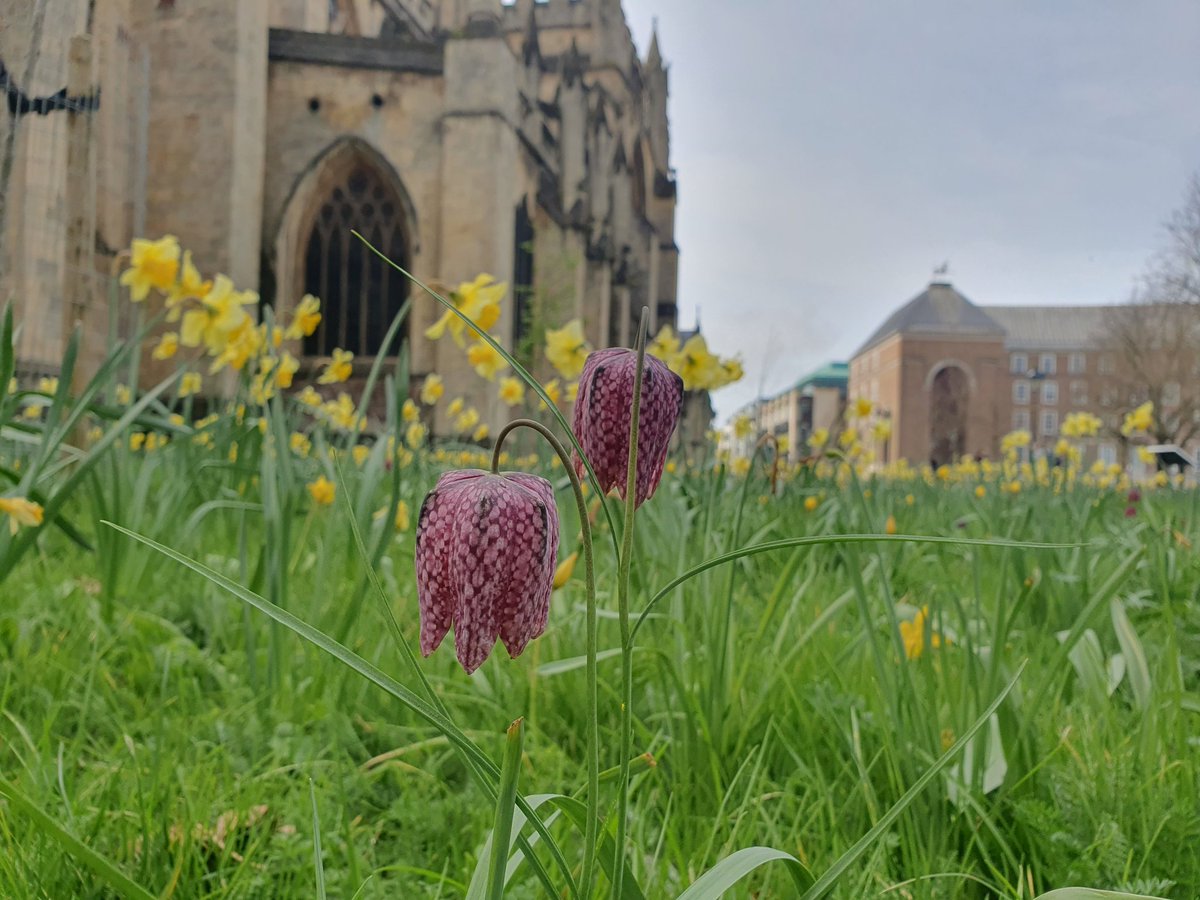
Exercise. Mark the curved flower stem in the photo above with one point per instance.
(626, 739)
(591, 830)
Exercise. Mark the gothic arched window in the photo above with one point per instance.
(360, 293)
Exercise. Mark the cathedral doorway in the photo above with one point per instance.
(348, 188)
(949, 395)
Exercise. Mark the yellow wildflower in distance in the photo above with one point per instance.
(980, 491)
(567, 349)
(21, 512)
(486, 360)
(553, 390)
(860, 408)
(153, 264)
(190, 383)
(889, 527)
(300, 444)
(456, 406)
(512, 390)
(572, 391)
(360, 454)
(432, 389)
(410, 412)
(220, 314)
(124, 395)
(882, 430)
(339, 368)
(167, 346)
(479, 301)
(743, 427)
(811, 502)
(913, 634)
(403, 519)
(310, 397)
(819, 438)
(481, 433)
(322, 491)
(466, 420)
(48, 385)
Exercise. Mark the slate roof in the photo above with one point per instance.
(939, 309)
(1051, 327)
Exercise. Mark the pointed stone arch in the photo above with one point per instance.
(349, 186)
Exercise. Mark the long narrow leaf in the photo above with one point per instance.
(733, 868)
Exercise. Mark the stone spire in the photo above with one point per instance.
(654, 55)
(531, 49)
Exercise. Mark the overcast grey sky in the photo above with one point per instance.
(830, 153)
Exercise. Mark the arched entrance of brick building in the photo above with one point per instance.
(949, 395)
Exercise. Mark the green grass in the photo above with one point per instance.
(175, 731)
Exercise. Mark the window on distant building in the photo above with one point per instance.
(1171, 393)
(1107, 453)
(1079, 393)
(1021, 392)
(1021, 420)
(1049, 423)
(1048, 364)
(1077, 363)
(1018, 364)
(1106, 364)
(1050, 392)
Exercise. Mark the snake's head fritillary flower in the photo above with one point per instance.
(486, 551)
(602, 417)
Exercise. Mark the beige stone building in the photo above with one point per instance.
(527, 140)
(954, 377)
(818, 400)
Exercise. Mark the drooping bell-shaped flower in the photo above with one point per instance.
(603, 409)
(487, 545)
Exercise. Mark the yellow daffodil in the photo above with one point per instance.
(432, 389)
(124, 395)
(220, 313)
(860, 408)
(481, 432)
(415, 434)
(553, 390)
(410, 412)
(512, 390)
(466, 420)
(811, 502)
(322, 491)
(286, 370)
(310, 397)
(190, 383)
(882, 430)
(21, 512)
(889, 527)
(167, 346)
(403, 519)
(137, 441)
(360, 454)
(486, 360)
(479, 301)
(913, 634)
(339, 368)
(153, 264)
(300, 444)
(1139, 420)
(305, 318)
(189, 287)
(698, 368)
(743, 427)
(980, 491)
(456, 406)
(567, 349)
(819, 438)
(572, 391)
(665, 344)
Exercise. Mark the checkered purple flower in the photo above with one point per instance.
(487, 546)
(602, 412)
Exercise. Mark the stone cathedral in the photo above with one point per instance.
(527, 140)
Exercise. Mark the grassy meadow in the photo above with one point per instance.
(156, 727)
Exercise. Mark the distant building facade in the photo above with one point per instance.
(818, 400)
(954, 377)
(526, 140)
